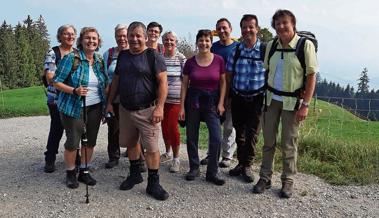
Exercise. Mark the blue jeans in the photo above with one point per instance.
(55, 134)
(211, 118)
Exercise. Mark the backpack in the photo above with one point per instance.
(299, 52)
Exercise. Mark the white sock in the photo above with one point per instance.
(176, 159)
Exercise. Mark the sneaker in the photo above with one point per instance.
(49, 167)
(192, 174)
(165, 157)
(204, 161)
(247, 174)
(225, 163)
(261, 186)
(86, 178)
(131, 181)
(175, 166)
(287, 189)
(111, 164)
(237, 170)
(155, 189)
(215, 180)
(71, 181)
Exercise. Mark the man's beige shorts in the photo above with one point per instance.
(136, 126)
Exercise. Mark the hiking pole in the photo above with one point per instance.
(84, 142)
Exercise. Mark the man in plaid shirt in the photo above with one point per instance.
(246, 78)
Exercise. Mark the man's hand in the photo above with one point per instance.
(157, 114)
(302, 113)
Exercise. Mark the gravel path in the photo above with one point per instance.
(26, 191)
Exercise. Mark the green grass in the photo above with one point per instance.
(334, 144)
(23, 102)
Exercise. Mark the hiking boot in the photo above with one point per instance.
(111, 164)
(142, 166)
(155, 189)
(287, 189)
(175, 166)
(204, 161)
(225, 163)
(247, 174)
(215, 180)
(237, 170)
(261, 186)
(165, 157)
(133, 179)
(85, 177)
(49, 167)
(71, 180)
(192, 174)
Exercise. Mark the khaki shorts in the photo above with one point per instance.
(136, 126)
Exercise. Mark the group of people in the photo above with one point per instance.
(141, 84)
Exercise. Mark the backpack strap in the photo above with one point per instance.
(151, 60)
(110, 56)
(301, 56)
(237, 54)
(58, 55)
(262, 50)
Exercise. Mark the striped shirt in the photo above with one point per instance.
(70, 104)
(249, 75)
(50, 66)
(175, 66)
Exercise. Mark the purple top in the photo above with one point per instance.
(204, 78)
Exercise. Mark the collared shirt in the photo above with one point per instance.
(70, 104)
(249, 75)
(292, 70)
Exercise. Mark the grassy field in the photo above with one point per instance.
(23, 102)
(334, 144)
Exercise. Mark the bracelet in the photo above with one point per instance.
(74, 91)
(305, 104)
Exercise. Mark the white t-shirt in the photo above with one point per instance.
(93, 96)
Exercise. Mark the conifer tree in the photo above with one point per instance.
(8, 57)
(26, 68)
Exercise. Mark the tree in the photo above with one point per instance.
(363, 87)
(185, 47)
(8, 57)
(26, 68)
(265, 35)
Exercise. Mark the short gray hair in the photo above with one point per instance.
(63, 28)
(135, 25)
(120, 27)
(164, 36)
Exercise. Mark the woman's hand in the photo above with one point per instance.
(220, 109)
(81, 91)
(182, 114)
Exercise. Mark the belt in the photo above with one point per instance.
(137, 108)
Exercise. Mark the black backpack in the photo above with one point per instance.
(299, 52)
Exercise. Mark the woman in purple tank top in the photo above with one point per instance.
(202, 99)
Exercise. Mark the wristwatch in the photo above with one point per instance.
(305, 104)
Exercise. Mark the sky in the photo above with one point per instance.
(346, 30)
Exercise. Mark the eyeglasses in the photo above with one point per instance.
(69, 34)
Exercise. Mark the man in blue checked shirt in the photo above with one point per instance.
(246, 76)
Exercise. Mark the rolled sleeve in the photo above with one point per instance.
(310, 58)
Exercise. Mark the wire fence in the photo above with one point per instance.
(348, 119)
